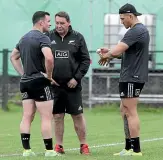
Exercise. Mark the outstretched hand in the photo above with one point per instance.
(104, 56)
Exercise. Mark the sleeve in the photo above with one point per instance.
(17, 46)
(84, 60)
(131, 37)
(45, 41)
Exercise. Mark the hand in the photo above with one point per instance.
(102, 50)
(104, 53)
(53, 82)
(72, 83)
(103, 62)
(105, 58)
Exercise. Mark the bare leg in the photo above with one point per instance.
(29, 110)
(130, 105)
(59, 128)
(45, 110)
(80, 127)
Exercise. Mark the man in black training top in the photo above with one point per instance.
(134, 73)
(34, 51)
(71, 64)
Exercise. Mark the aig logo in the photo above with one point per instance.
(61, 54)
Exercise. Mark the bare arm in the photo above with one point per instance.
(49, 61)
(129, 39)
(16, 62)
(108, 54)
(118, 49)
(115, 52)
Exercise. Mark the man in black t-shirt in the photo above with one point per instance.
(133, 75)
(34, 52)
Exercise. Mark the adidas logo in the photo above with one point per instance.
(80, 108)
(53, 42)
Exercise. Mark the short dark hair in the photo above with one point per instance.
(64, 15)
(38, 16)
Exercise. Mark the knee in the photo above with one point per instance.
(121, 110)
(58, 117)
(129, 111)
(78, 117)
(28, 117)
(78, 120)
(125, 110)
(32, 117)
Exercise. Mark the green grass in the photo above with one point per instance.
(104, 126)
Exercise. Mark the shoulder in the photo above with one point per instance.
(25, 36)
(36, 35)
(138, 29)
(52, 32)
(44, 38)
(43, 35)
(77, 34)
(49, 33)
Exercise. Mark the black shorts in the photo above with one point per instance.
(38, 89)
(130, 89)
(67, 101)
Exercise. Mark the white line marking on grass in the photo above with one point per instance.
(115, 144)
(95, 146)
(4, 135)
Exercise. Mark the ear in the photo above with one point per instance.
(132, 16)
(40, 22)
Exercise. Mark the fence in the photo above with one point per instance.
(104, 82)
(4, 79)
(100, 85)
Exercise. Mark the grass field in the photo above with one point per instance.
(105, 135)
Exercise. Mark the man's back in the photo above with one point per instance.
(135, 59)
(32, 57)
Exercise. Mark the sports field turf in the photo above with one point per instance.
(105, 135)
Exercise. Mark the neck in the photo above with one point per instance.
(135, 22)
(63, 34)
(38, 28)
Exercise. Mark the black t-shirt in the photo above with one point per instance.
(134, 67)
(32, 58)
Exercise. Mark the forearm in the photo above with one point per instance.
(113, 53)
(49, 65)
(17, 65)
(117, 50)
